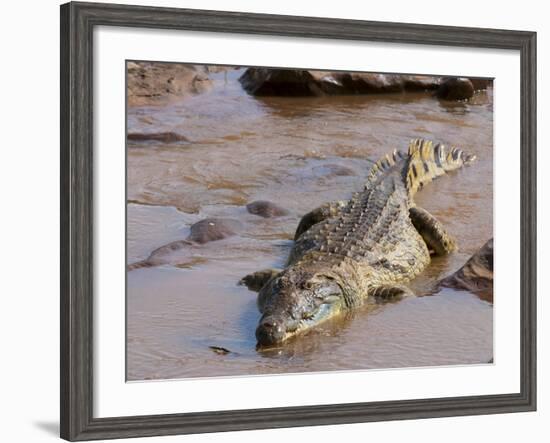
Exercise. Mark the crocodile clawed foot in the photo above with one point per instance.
(257, 280)
(390, 292)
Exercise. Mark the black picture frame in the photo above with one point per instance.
(77, 23)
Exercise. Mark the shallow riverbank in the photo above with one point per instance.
(238, 149)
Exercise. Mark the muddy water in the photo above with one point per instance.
(299, 153)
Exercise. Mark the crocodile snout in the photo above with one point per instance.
(270, 331)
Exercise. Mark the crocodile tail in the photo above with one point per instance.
(427, 162)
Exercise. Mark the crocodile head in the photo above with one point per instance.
(295, 301)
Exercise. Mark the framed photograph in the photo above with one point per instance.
(272, 221)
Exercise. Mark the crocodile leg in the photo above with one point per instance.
(258, 279)
(432, 231)
(323, 212)
(390, 292)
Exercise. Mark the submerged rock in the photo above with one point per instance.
(204, 231)
(476, 275)
(212, 229)
(265, 209)
(150, 83)
(458, 88)
(164, 137)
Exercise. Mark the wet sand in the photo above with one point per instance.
(293, 152)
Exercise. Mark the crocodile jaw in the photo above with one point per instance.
(281, 328)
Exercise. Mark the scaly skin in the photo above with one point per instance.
(371, 245)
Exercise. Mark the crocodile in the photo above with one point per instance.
(371, 245)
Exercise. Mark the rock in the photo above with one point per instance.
(280, 82)
(204, 231)
(480, 84)
(164, 137)
(297, 82)
(419, 83)
(151, 83)
(140, 264)
(212, 229)
(456, 88)
(265, 209)
(157, 256)
(360, 83)
(476, 275)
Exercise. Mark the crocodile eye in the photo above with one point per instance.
(308, 285)
(307, 315)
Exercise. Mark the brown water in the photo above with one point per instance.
(287, 150)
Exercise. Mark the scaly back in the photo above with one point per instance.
(364, 222)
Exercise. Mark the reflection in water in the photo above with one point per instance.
(298, 153)
(454, 107)
(303, 346)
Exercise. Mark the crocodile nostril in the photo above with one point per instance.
(270, 331)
